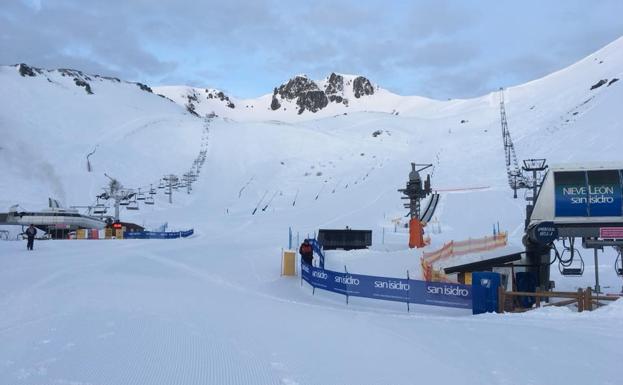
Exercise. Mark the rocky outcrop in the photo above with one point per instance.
(220, 95)
(296, 87)
(599, 84)
(335, 85)
(25, 70)
(312, 101)
(334, 89)
(81, 83)
(145, 88)
(308, 96)
(362, 86)
(306, 93)
(274, 104)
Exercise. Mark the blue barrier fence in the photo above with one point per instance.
(158, 234)
(389, 289)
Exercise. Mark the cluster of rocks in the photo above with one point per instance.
(362, 86)
(80, 78)
(194, 98)
(220, 96)
(25, 70)
(602, 82)
(309, 97)
(307, 94)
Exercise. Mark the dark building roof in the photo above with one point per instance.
(484, 264)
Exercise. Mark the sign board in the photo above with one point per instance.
(390, 289)
(545, 233)
(611, 233)
(595, 193)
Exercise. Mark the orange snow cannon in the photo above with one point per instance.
(416, 234)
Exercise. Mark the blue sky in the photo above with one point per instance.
(439, 49)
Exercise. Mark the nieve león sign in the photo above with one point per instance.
(390, 289)
(588, 193)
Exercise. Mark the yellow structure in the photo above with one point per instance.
(288, 262)
(467, 278)
(81, 234)
(119, 233)
(108, 233)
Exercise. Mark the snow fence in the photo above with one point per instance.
(158, 234)
(390, 289)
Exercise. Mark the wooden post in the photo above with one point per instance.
(588, 299)
(538, 301)
(501, 299)
(580, 300)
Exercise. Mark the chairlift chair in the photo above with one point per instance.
(618, 265)
(99, 209)
(124, 202)
(573, 267)
(149, 200)
(140, 196)
(132, 204)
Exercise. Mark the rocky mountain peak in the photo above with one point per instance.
(310, 97)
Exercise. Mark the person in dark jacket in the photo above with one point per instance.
(31, 231)
(307, 252)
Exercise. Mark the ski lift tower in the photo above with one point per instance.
(415, 191)
(115, 191)
(171, 180)
(536, 166)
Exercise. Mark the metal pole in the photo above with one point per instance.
(117, 208)
(170, 189)
(596, 273)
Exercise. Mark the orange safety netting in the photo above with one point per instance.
(453, 249)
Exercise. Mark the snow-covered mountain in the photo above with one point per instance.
(212, 308)
(301, 98)
(298, 99)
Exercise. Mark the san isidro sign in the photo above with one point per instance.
(595, 193)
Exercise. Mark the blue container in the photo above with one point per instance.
(485, 292)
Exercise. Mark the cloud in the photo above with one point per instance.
(67, 35)
(433, 48)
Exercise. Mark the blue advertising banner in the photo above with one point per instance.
(571, 194)
(389, 289)
(604, 193)
(588, 193)
(157, 234)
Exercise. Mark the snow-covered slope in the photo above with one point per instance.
(51, 120)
